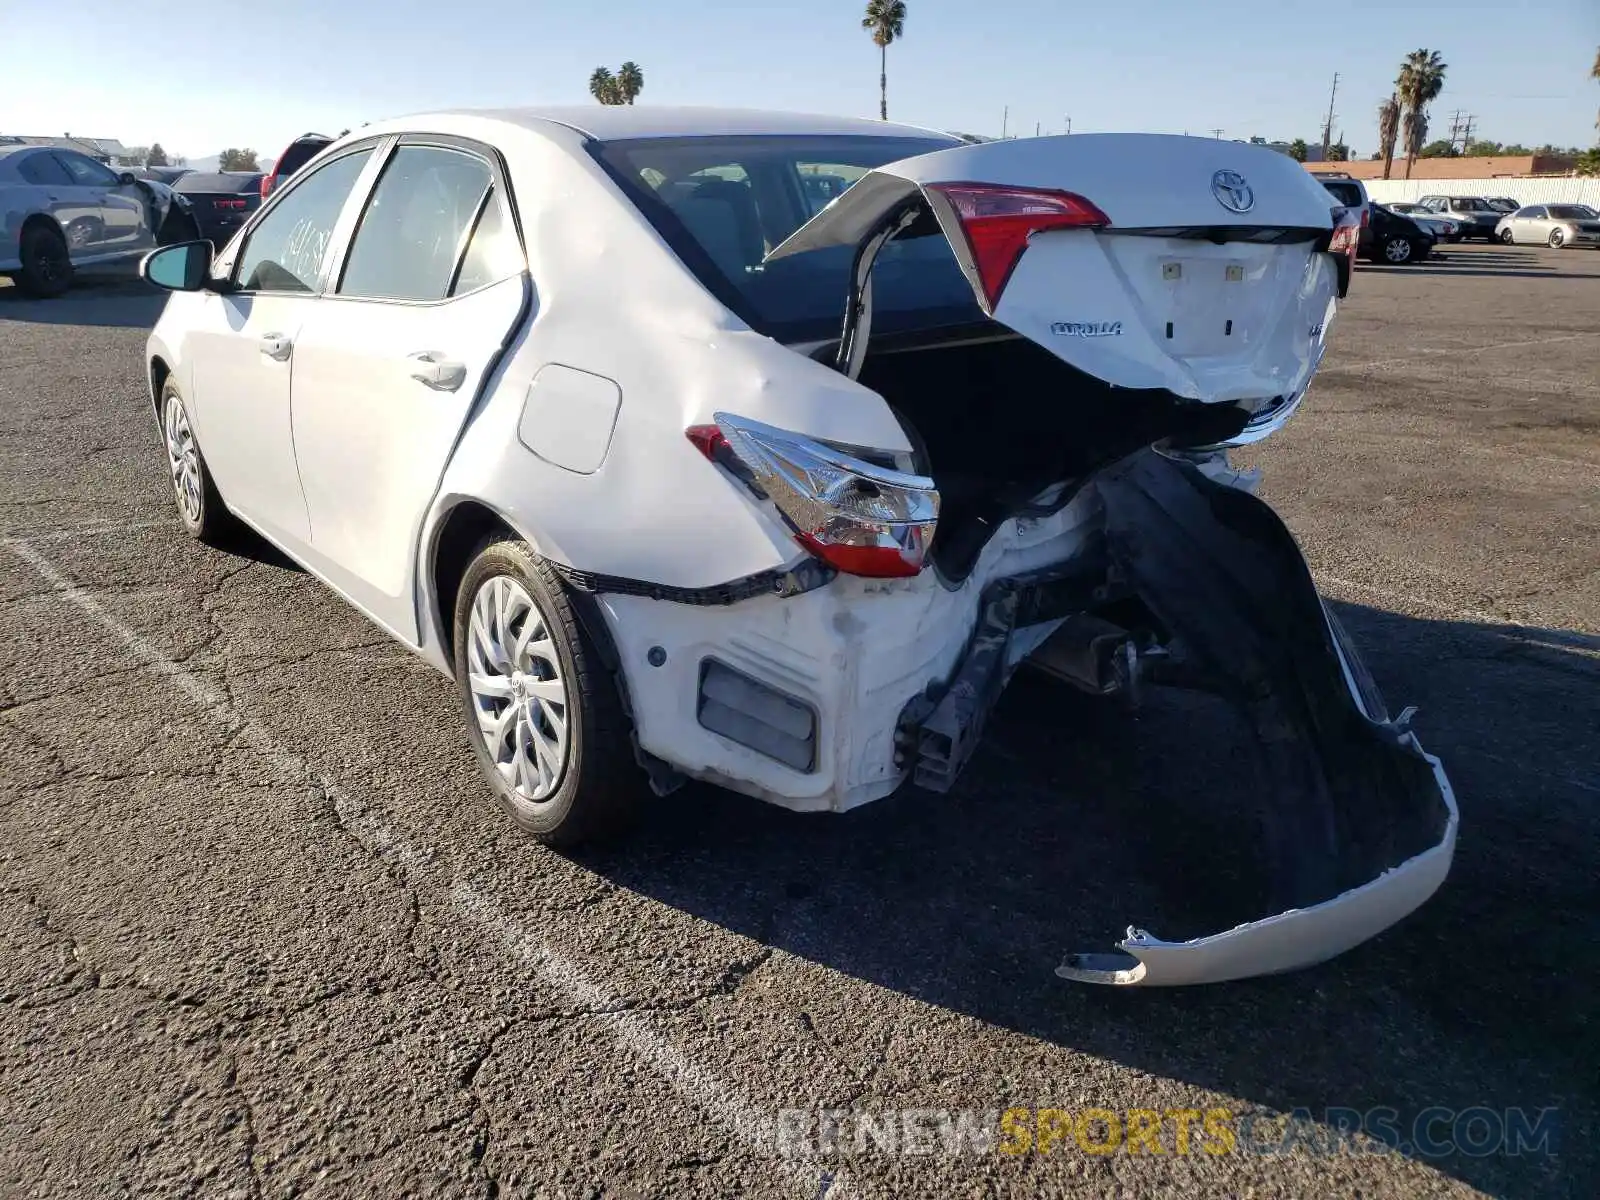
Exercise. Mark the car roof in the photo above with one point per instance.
(615, 122)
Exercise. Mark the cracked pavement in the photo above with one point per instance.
(262, 932)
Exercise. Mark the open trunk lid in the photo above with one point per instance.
(1193, 265)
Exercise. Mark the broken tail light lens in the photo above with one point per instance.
(997, 222)
(1346, 232)
(858, 517)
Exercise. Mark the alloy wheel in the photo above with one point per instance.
(1557, 238)
(183, 458)
(518, 691)
(1397, 250)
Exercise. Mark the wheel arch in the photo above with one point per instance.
(160, 372)
(463, 526)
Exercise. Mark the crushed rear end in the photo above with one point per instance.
(1066, 501)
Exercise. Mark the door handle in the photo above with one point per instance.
(276, 346)
(441, 374)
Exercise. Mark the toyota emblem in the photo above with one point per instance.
(1232, 192)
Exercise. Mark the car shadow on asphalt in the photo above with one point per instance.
(1511, 262)
(106, 299)
(1077, 819)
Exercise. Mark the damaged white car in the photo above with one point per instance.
(762, 449)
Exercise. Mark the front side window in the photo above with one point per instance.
(85, 171)
(722, 203)
(43, 169)
(284, 252)
(414, 229)
(1532, 214)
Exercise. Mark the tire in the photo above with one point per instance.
(1507, 238)
(1557, 240)
(1397, 250)
(200, 508)
(46, 263)
(588, 789)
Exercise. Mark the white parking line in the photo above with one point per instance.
(1412, 357)
(698, 1086)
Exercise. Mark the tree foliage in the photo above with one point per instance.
(1418, 85)
(155, 156)
(237, 160)
(620, 88)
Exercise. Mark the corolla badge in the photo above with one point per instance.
(1232, 192)
(1087, 329)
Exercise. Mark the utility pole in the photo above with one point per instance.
(1005, 122)
(1069, 124)
(1216, 133)
(1036, 125)
(1466, 134)
(1327, 126)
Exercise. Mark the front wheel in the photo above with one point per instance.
(1397, 250)
(1507, 237)
(543, 713)
(1557, 239)
(205, 518)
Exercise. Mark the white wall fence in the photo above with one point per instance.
(1524, 191)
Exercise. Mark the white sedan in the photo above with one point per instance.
(683, 469)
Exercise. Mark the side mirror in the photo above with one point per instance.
(184, 267)
(126, 178)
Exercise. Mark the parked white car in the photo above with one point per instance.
(682, 471)
(1554, 225)
(60, 210)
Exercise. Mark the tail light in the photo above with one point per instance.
(268, 182)
(228, 203)
(858, 517)
(1347, 229)
(997, 222)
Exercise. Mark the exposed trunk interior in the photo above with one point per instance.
(1000, 419)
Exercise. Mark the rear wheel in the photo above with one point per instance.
(46, 263)
(1557, 239)
(1397, 250)
(543, 712)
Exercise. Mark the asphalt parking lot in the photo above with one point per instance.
(262, 933)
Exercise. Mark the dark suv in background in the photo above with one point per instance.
(295, 155)
(1386, 236)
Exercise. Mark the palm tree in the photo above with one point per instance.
(886, 20)
(630, 81)
(603, 86)
(1594, 73)
(1388, 131)
(1420, 82)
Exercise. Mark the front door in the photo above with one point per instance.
(389, 365)
(244, 351)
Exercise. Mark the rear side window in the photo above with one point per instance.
(43, 169)
(415, 226)
(284, 253)
(492, 254)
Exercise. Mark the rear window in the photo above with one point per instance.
(723, 203)
(1571, 212)
(1348, 194)
(220, 183)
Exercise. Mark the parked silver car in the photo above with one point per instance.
(60, 210)
(1557, 225)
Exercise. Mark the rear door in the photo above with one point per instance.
(1189, 264)
(389, 365)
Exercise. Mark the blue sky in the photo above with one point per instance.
(197, 77)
